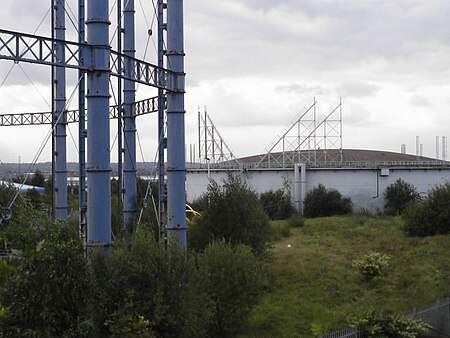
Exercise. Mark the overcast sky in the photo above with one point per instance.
(255, 64)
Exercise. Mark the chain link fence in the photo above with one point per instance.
(437, 315)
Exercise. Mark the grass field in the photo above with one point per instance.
(315, 285)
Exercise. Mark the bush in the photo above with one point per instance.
(234, 215)
(233, 280)
(431, 216)
(277, 204)
(320, 202)
(148, 290)
(398, 195)
(44, 292)
(372, 264)
(377, 324)
(280, 229)
(296, 221)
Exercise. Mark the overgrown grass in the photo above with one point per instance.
(279, 230)
(316, 286)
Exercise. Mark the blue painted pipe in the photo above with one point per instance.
(59, 131)
(98, 159)
(162, 197)
(129, 133)
(82, 125)
(176, 164)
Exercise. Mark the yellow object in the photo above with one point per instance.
(191, 213)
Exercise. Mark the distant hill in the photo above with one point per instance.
(7, 169)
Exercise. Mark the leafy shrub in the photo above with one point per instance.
(234, 215)
(280, 230)
(372, 264)
(376, 324)
(201, 203)
(398, 195)
(320, 202)
(431, 216)
(147, 289)
(277, 204)
(234, 279)
(296, 221)
(44, 292)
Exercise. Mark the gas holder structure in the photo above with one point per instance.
(96, 61)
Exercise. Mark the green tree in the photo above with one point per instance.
(277, 204)
(398, 195)
(430, 216)
(234, 215)
(37, 179)
(320, 202)
(146, 288)
(45, 294)
(234, 280)
(34, 197)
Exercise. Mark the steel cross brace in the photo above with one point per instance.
(142, 107)
(22, 47)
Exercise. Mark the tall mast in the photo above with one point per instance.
(59, 115)
(176, 164)
(162, 197)
(129, 132)
(82, 124)
(98, 164)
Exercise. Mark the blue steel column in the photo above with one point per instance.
(119, 119)
(129, 132)
(176, 164)
(98, 164)
(161, 133)
(59, 116)
(82, 125)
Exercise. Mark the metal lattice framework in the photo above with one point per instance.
(95, 60)
(22, 47)
(307, 140)
(142, 107)
(211, 145)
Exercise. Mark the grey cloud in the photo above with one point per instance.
(357, 89)
(273, 38)
(295, 88)
(421, 101)
(356, 114)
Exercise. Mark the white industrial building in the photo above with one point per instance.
(362, 175)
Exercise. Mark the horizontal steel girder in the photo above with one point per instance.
(142, 107)
(21, 47)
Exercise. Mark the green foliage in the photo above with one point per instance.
(34, 197)
(122, 325)
(398, 195)
(144, 279)
(201, 203)
(279, 230)
(431, 216)
(46, 292)
(389, 324)
(37, 179)
(234, 214)
(372, 264)
(277, 204)
(296, 221)
(233, 280)
(315, 282)
(320, 202)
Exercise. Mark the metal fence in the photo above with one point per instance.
(437, 315)
(240, 165)
(352, 332)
